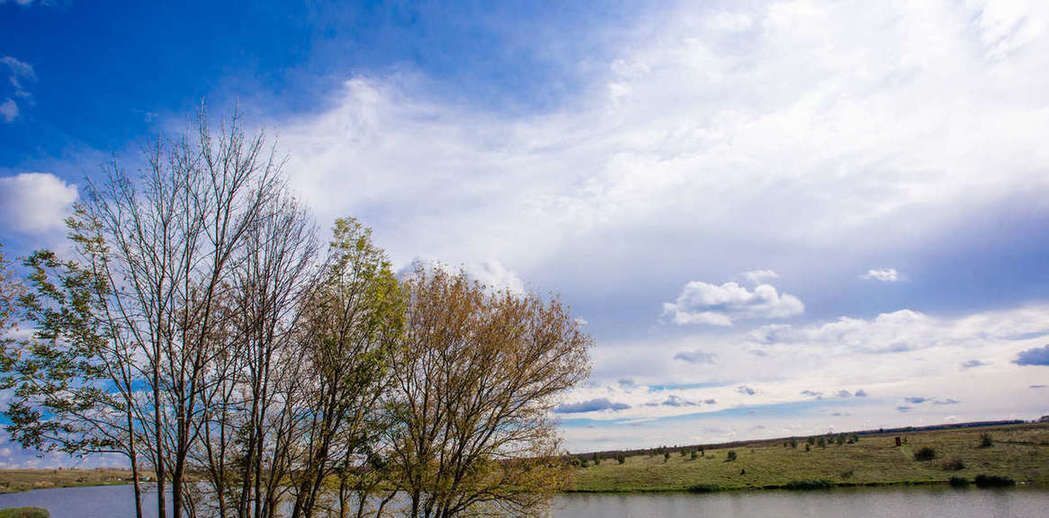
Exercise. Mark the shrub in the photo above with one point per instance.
(585, 464)
(808, 484)
(683, 452)
(958, 482)
(993, 481)
(731, 456)
(954, 464)
(855, 438)
(986, 441)
(808, 447)
(811, 441)
(925, 453)
(621, 458)
(822, 442)
(793, 443)
(704, 488)
(693, 455)
(666, 456)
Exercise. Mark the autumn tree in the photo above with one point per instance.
(475, 377)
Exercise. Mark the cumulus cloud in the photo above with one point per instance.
(972, 364)
(1033, 356)
(677, 130)
(882, 274)
(35, 202)
(861, 393)
(697, 357)
(592, 405)
(703, 303)
(743, 389)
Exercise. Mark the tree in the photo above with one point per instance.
(72, 385)
(475, 377)
(351, 324)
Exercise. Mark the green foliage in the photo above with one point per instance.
(730, 456)
(65, 397)
(958, 482)
(620, 458)
(693, 455)
(666, 456)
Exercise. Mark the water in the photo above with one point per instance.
(115, 501)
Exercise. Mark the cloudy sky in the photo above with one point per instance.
(774, 218)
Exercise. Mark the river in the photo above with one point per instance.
(115, 501)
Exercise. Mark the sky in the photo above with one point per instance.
(774, 218)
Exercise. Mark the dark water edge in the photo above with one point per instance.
(908, 502)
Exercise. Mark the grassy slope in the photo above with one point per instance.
(1020, 452)
(24, 512)
(24, 479)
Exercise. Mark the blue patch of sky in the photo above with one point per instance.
(106, 72)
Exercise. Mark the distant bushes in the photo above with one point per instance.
(958, 482)
(993, 481)
(621, 458)
(731, 456)
(805, 485)
(954, 464)
(925, 454)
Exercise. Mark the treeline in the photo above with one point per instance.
(578, 459)
(196, 327)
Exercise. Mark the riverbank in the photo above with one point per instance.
(1017, 452)
(15, 480)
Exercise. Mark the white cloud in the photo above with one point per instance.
(760, 276)
(18, 72)
(35, 202)
(704, 303)
(494, 275)
(679, 131)
(9, 110)
(882, 274)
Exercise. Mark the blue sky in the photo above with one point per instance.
(775, 218)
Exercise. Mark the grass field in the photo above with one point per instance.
(24, 512)
(14, 480)
(1020, 452)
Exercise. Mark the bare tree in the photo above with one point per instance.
(476, 377)
(169, 241)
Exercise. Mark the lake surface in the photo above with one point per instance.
(115, 501)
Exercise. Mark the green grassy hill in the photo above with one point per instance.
(1020, 452)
